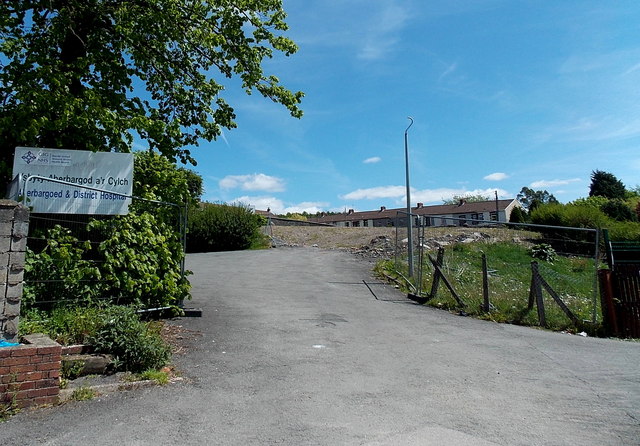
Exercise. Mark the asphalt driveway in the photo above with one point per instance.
(295, 349)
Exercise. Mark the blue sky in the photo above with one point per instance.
(504, 94)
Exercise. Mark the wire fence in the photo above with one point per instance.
(70, 246)
(485, 267)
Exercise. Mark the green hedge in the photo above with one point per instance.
(585, 215)
(222, 227)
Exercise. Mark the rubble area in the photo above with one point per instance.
(381, 243)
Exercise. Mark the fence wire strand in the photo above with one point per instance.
(508, 254)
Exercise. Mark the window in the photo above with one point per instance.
(493, 216)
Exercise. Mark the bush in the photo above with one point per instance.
(517, 216)
(222, 227)
(117, 330)
(136, 346)
(57, 273)
(618, 210)
(584, 217)
(141, 261)
(543, 251)
(624, 231)
(549, 214)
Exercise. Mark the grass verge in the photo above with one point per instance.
(509, 279)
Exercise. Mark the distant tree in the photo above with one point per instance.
(296, 216)
(517, 215)
(619, 210)
(456, 199)
(594, 202)
(605, 184)
(531, 199)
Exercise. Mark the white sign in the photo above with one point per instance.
(101, 182)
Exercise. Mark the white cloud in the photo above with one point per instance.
(373, 193)
(277, 206)
(306, 206)
(552, 183)
(448, 70)
(253, 182)
(497, 176)
(595, 129)
(372, 160)
(433, 196)
(262, 203)
(636, 67)
(381, 36)
(436, 196)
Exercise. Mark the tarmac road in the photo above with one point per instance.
(296, 350)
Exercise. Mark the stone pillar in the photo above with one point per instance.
(14, 226)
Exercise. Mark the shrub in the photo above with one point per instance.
(543, 251)
(584, 213)
(618, 210)
(66, 325)
(57, 274)
(625, 231)
(222, 227)
(141, 261)
(517, 215)
(548, 214)
(136, 346)
(117, 330)
(584, 217)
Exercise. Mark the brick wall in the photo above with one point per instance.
(14, 225)
(30, 373)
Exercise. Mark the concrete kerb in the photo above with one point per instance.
(108, 388)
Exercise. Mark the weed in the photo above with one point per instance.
(543, 251)
(159, 376)
(83, 393)
(9, 408)
(71, 369)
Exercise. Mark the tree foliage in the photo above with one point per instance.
(531, 199)
(194, 183)
(92, 74)
(517, 215)
(619, 210)
(605, 184)
(457, 199)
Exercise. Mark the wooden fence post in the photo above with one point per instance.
(436, 274)
(537, 292)
(486, 306)
(446, 282)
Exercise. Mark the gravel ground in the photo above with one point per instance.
(381, 242)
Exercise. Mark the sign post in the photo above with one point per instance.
(75, 181)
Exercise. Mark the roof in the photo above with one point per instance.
(442, 209)
(266, 213)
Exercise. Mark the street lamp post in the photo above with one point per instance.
(409, 219)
